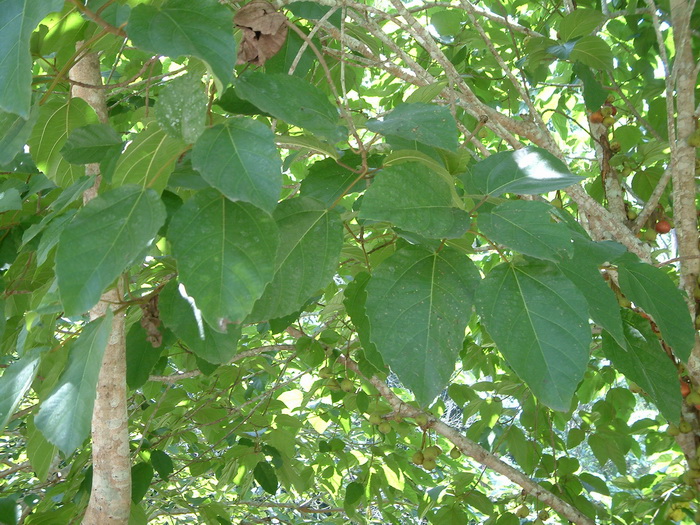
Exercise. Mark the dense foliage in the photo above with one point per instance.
(373, 262)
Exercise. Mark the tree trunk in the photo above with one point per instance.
(110, 498)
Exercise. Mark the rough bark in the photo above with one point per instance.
(110, 498)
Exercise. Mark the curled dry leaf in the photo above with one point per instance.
(264, 31)
(150, 321)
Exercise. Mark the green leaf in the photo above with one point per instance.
(90, 143)
(57, 118)
(18, 18)
(415, 199)
(645, 363)
(653, 290)
(104, 239)
(580, 22)
(448, 22)
(14, 382)
(14, 133)
(240, 159)
(539, 321)
(40, 452)
(180, 27)
(529, 228)
(418, 304)
(141, 357)
(225, 255)
(293, 100)
(425, 94)
(353, 492)
(311, 237)
(148, 160)
(162, 463)
(428, 124)
(355, 303)
(10, 510)
(141, 477)
(314, 11)
(327, 181)
(65, 416)
(265, 475)
(181, 110)
(180, 316)
(594, 52)
(10, 199)
(593, 93)
(525, 171)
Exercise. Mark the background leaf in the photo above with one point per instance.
(580, 22)
(225, 255)
(65, 416)
(265, 475)
(90, 143)
(539, 321)
(594, 52)
(182, 108)
(179, 27)
(240, 159)
(104, 238)
(15, 131)
(14, 382)
(418, 304)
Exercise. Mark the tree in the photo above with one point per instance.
(339, 262)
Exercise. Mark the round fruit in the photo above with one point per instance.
(663, 226)
(673, 430)
(610, 99)
(608, 121)
(685, 388)
(685, 427)
(421, 420)
(347, 386)
(615, 146)
(543, 515)
(326, 372)
(375, 419)
(455, 453)
(432, 452)
(429, 464)
(522, 512)
(649, 235)
(631, 214)
(676, 515)
(596, 117)
(606, 111)
(384, 427)
(418, 458)
(693, 398)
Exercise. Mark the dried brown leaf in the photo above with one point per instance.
(264, 32)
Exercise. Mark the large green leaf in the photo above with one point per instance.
(428, 124)
(355, 299)
(594, 52)
(264, 473)
(529, 228)
(327, 181)
(182, 108)
(311, 237)
(18, 18)
(580, 22)
(182, 318)
(14, 382)
(141, 356)
(57, 118)
(293, 100)
(645, 363)
(418, 304)
(240, 159)
(416, 199)
(527, 171)
(539, 321)
(149, 159)
(653, 290)
(225, 255)
(91, 143)
(40, 452)
(65, 416)
(14, 133)
(103, 240)
(203, 29)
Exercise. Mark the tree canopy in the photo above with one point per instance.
(330, 261)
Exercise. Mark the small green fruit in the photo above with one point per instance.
(421, 420)
(615, 146)
(543, 515)
(522, 512)
(649, 235)
(610, 99)
(631, 214)
(375, 419)
(608, 121)
(326, 372)
(455, 453)
(693, 398)
(418, 458)
(432, 452)
(606, 111)
(384, 427)
(347, 386)
(429, 464)
(685, 427)
(673, 430)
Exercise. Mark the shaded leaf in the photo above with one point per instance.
(162, 463)
(327, 181)
(90, 143)
(354, 302)
(15, 131)
(240, 159)
(10, 199)
(293, 100)
(529, 228)
(353, 492)
(265, 475)
(14, 382)
(428, 124)
(181, 27)
(539, 321)
(141, 477)
(311, 238)
(40, 452)
(418, 304)
(65, 416)
(141, 357)
(415, 199)
(104, 239)
(653, 290)
(225, 255)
